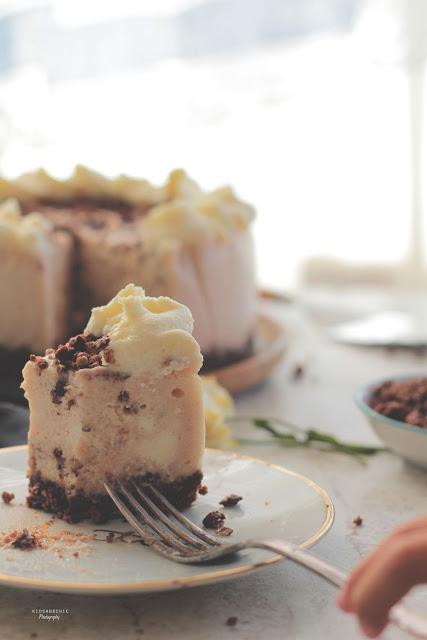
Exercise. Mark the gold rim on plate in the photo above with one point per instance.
(99, 588)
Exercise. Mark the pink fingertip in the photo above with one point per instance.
(370, 632)
(342, 599)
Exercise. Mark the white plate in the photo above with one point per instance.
(276, 503)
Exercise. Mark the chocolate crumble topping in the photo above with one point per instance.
(82, 352)
(82, 361)
(25, 541)
(7, 497)
(230, 500)
(40, 362)
(214, 520)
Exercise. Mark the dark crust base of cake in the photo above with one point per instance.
(218, 360)
(50, 496)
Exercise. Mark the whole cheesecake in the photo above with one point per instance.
(69, 245)
(123, 400)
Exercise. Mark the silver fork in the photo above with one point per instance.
(175, 537)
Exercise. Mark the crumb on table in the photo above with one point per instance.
(7, 497)
(231, 621)
(357, 521)
(298, 372)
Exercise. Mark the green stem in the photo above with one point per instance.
(295, 436)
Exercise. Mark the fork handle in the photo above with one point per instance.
(399, 615)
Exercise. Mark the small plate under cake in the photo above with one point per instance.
(78, 559)
(269, 344)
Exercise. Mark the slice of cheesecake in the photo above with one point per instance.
(122, 400)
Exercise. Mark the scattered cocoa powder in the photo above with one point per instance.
(40, 361)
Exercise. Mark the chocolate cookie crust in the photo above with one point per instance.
(51, 497)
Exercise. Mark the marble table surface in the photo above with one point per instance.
(283, 601)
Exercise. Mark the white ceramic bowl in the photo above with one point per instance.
(404, 439)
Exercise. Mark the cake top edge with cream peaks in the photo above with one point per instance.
(30, 231)
(178, 209)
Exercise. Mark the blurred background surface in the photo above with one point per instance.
(312, 109)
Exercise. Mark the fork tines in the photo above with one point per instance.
(157, 521)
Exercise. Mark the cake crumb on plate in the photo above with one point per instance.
(231, 500)
(213, 520)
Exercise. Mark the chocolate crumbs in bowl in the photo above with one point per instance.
(404, 400)
(82, 352)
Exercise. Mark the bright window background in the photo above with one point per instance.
(304, 106)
